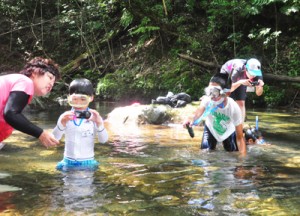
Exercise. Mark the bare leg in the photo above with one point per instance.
(241, 104)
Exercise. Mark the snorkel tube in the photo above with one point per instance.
(256, 123)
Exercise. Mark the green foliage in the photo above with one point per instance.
(120, 85)
(108, 33)
(175, 76)
(126, 18)
(293, 59)
(109, 87)
(144, 30)
(273, 95)
(265, 35)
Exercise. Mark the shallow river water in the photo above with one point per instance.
(156, 170)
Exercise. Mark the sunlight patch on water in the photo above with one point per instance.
(158, 170)
(6, 188)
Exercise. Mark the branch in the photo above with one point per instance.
(28, 26)
(267, 76)
(199, 62)
(281, 78)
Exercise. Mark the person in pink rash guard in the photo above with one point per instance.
(17, 90)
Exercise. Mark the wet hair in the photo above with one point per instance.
(41, 66)
(81, 86)
(220, 79)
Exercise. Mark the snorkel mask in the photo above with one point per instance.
(213, 91)
(79, 100)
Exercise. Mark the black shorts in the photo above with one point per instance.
(209, 141)
(239, 93)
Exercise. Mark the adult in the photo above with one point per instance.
(17, 90)
(241, 74)
(224, 122)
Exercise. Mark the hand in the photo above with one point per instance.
(245, 82)
(48, 140)
(186, 122)
(261, 83)
(66, 116)
(96, 117)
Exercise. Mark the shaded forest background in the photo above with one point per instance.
(137, 50)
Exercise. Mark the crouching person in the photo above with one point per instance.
(224, 119)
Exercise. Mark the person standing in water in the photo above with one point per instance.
(224, 120)
(17, 90)
(80, 125)
(243, 74)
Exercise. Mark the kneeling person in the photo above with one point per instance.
(224, 119)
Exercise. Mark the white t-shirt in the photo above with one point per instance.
(222, 122)
(79, 137)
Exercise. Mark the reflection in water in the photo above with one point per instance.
(6, 203)
(157, 170)
(78, 190)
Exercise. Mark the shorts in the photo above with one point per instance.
(209, 141)
(5, 131)
(68, 164)
(239, 93)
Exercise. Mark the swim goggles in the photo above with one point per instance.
(79, 100)
(213, 91)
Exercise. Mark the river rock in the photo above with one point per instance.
(150, 114)
(156, 114)
(140, 114)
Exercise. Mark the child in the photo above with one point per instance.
(80, 125)
(224, 121)
(253, 136)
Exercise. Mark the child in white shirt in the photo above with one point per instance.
(80, 125)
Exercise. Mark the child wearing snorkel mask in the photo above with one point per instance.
(253, 136)
(80, 125)
(224, 119)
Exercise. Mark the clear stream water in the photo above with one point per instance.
(156, 170)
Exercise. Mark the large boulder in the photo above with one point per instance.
(149, 114)
(140, 114)
(156, 114)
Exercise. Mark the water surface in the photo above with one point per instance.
(156, 170)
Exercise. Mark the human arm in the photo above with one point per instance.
(15, 104)
(60, 127)
(240, 139)
(100, 129)
(238, 77)
(259, 89)
(197, 114)
(238, 83)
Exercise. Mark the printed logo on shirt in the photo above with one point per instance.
(87, 133)
(220, 122)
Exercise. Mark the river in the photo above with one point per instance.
(155, 170)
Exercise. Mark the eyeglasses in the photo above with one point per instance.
(213, 91)
(79, 100)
